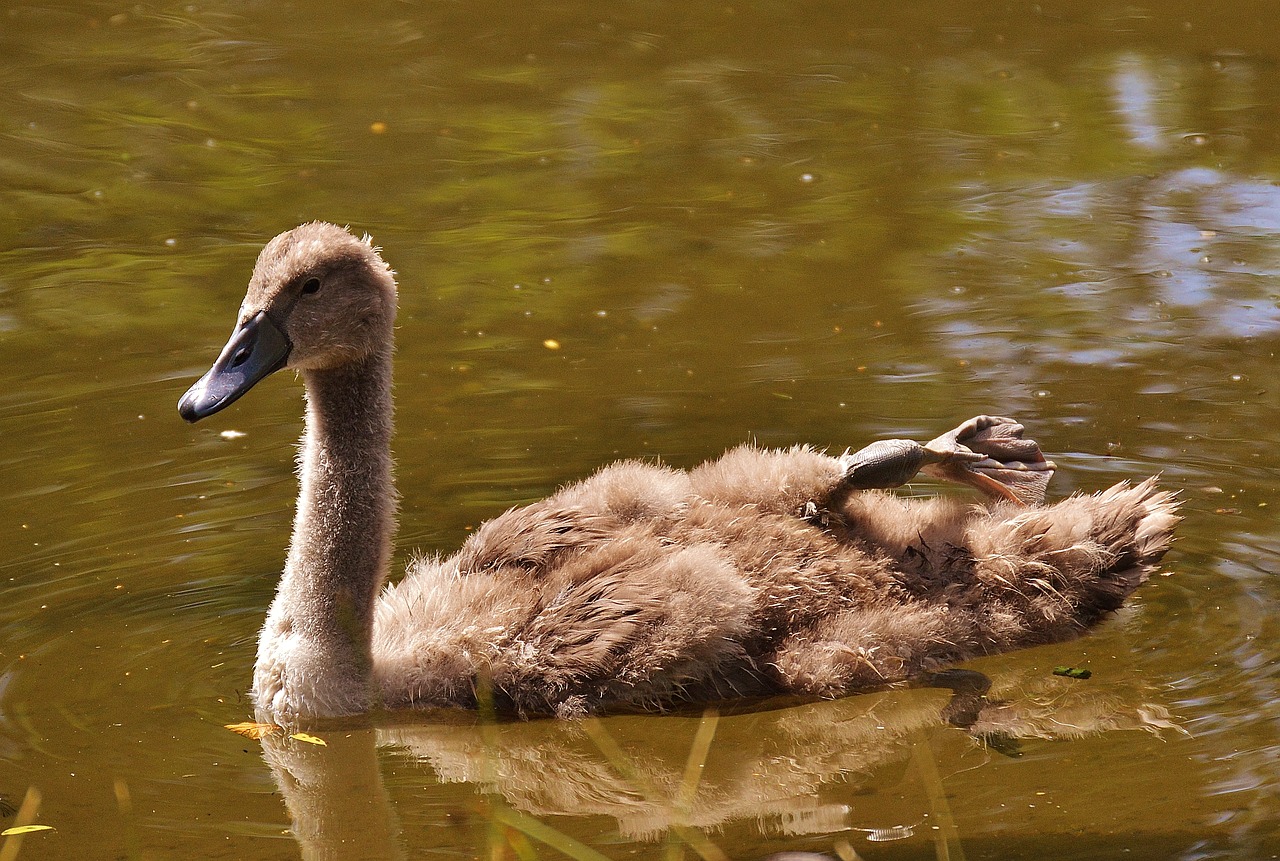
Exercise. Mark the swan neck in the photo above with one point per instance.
(342, 531)
(314, 653)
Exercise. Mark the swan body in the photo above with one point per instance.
(643, 587)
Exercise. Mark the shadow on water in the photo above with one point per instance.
(798, 772)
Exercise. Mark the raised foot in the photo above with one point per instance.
(989, 453)
(986, 452)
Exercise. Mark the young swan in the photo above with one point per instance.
(643, 587)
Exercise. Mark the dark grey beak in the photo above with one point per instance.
(256, 349)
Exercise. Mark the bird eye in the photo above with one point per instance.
(311, 285)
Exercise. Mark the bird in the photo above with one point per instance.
(643, 588)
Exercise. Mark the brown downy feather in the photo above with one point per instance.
(641, 587)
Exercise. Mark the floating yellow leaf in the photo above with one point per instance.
(24, 829)
(253, 729)
(309, 739)
(551, 344)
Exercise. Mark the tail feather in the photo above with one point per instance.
(1013, 577)
(1134, 526)
(1155, 531)
(1100, 547)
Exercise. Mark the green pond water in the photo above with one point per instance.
(787, 222)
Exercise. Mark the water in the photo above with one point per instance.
(778, 222)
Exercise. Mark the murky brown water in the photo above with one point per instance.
(786, 222)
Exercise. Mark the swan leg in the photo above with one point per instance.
(986, 452)
(968, 694)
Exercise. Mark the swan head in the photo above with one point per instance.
(319, 298)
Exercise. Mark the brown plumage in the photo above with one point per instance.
(762, 572)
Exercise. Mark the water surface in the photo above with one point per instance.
(780, 222)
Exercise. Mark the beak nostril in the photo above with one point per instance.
(257, 348)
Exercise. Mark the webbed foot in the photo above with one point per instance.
(986, 452)
(989, 453)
